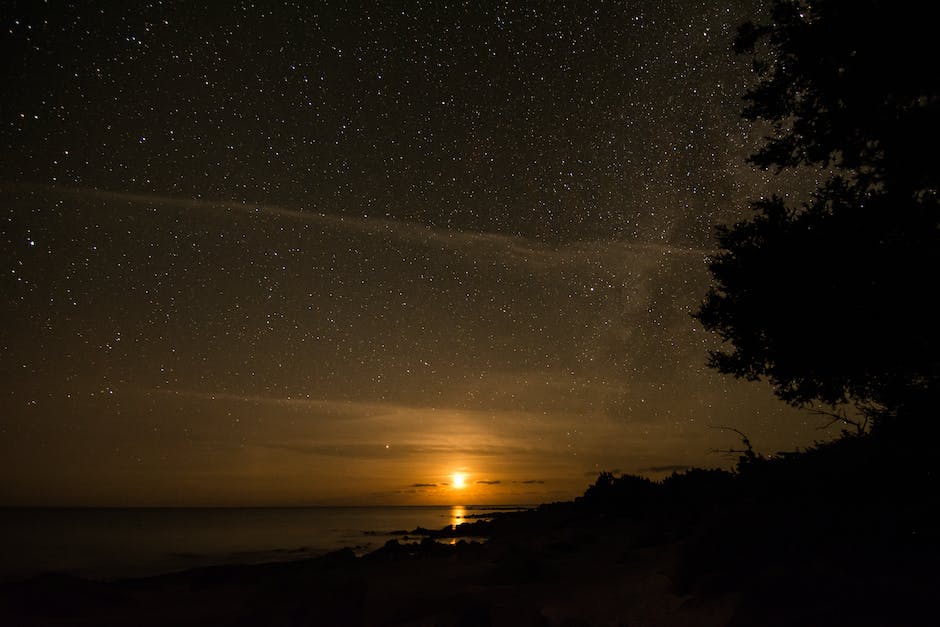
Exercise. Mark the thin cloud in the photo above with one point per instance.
(486, 482)
(372, 451)
(520, 250)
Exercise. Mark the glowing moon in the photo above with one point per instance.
(459, 480)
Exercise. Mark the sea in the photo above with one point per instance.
(106, 544)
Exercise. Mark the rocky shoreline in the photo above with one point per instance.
(781, 541)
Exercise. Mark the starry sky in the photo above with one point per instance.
(328, 253)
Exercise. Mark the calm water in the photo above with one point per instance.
(110, 543)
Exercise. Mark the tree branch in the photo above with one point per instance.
(747, 452)
(860, 426)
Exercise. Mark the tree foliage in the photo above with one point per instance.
(833, 300)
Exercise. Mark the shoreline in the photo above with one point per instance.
(781, 542)
(110, 544)
(510, 579)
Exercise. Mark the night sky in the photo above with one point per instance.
(268, 254)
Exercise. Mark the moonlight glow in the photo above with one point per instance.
(333, 272)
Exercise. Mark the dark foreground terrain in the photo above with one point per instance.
(842, 534)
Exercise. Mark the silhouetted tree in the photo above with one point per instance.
(832, 301)
(626, 493)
